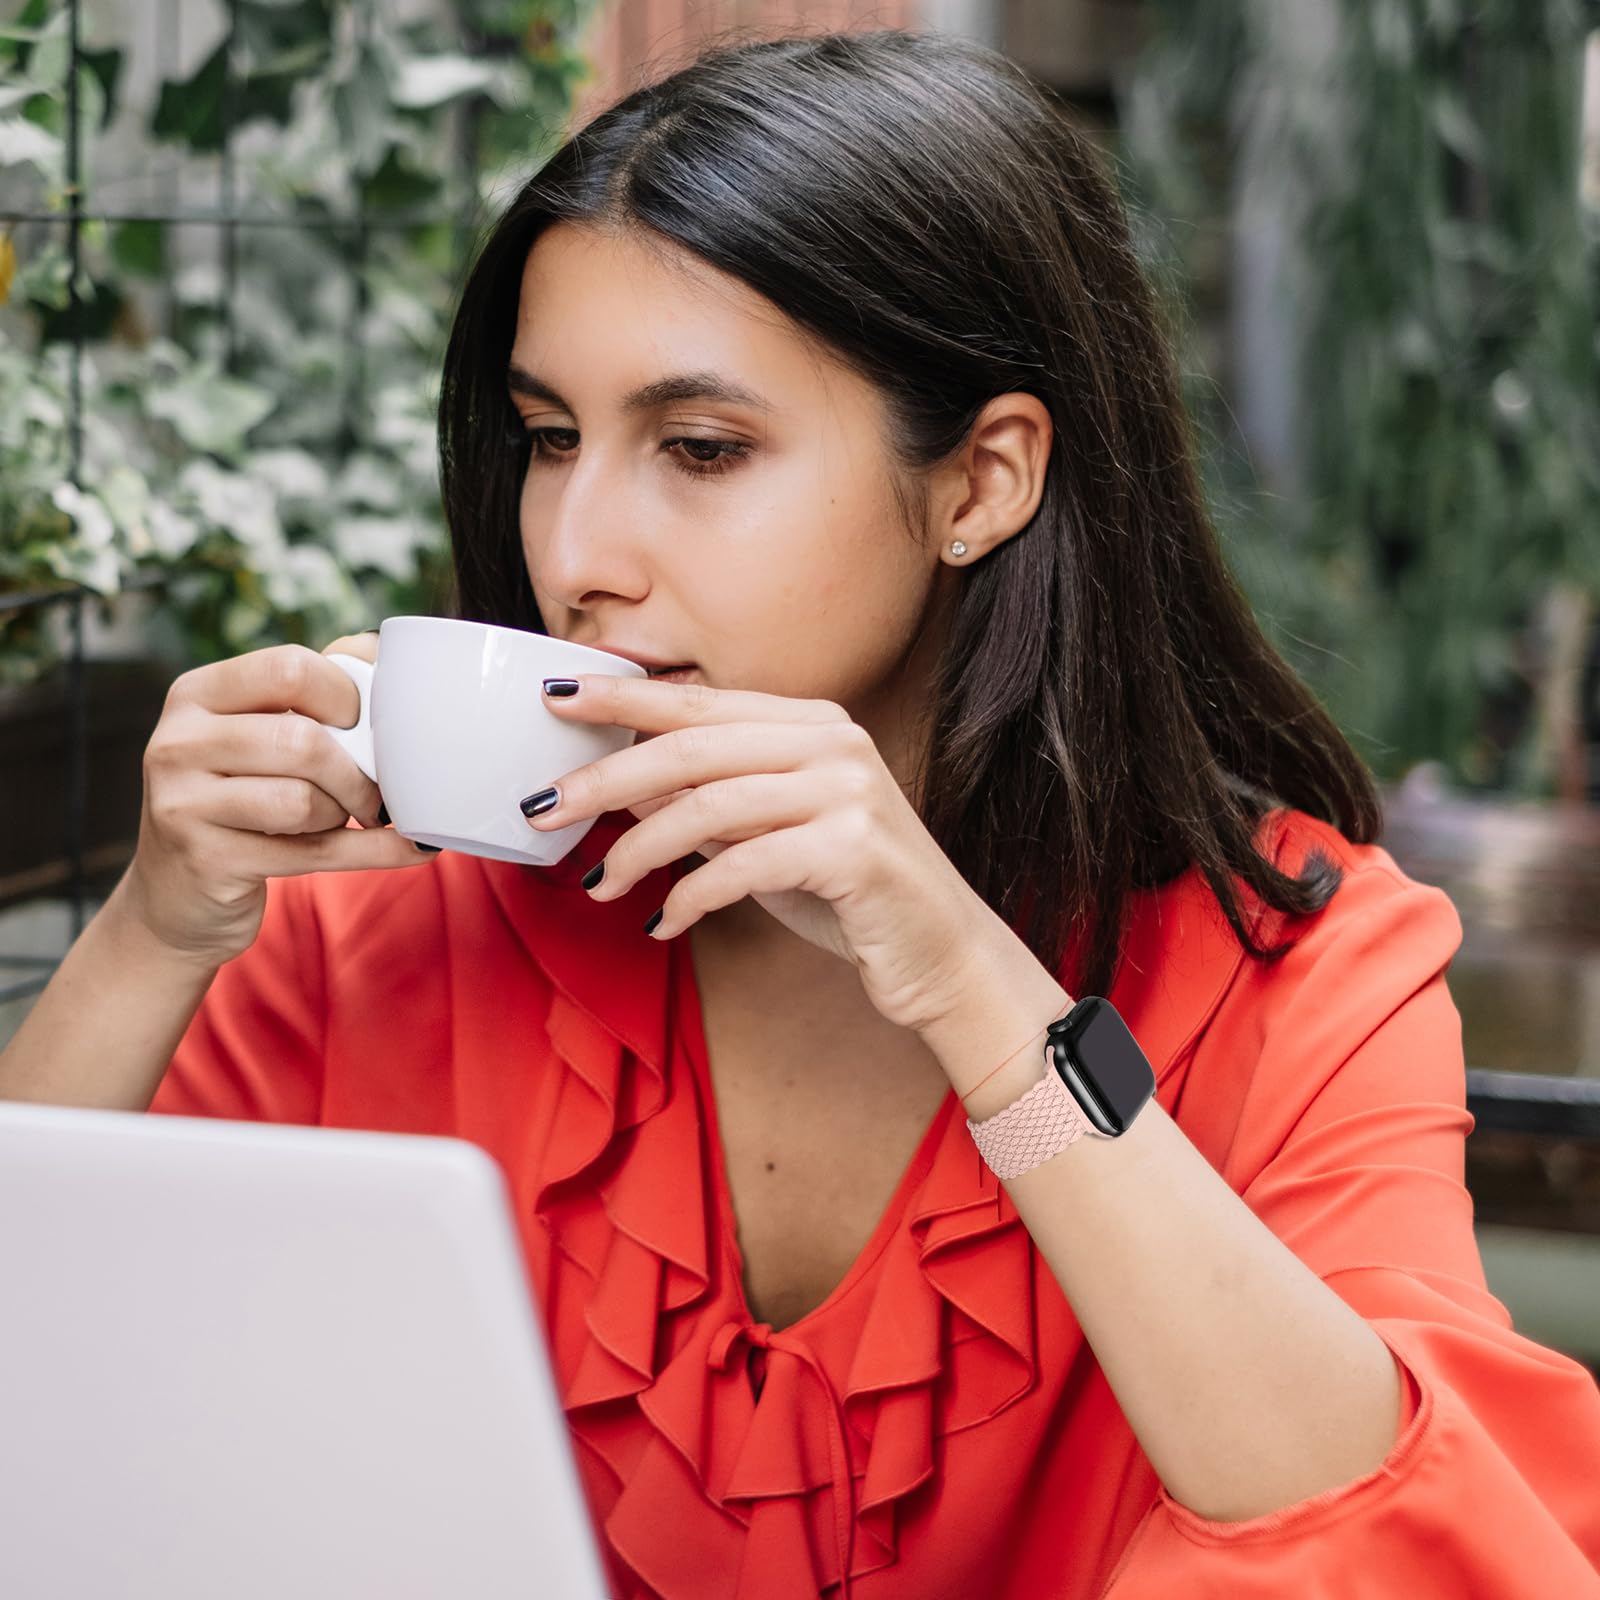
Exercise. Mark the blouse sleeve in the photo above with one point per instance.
(1351, 1149)
(253, 1051)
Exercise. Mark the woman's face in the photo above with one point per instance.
(708, 486)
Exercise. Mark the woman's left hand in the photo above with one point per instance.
(791, 804)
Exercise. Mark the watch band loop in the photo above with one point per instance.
(1035, 1126)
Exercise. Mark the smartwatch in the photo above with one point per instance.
(1096, 1080)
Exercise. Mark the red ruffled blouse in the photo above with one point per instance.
(938, 1428)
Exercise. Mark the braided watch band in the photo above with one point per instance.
(1034, 1127)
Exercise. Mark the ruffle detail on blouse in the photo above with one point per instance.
(731, 1487)
(641, 1243)
(734, 1487)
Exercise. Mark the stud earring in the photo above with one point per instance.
(958, 548)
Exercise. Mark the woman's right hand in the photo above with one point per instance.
(242, 785)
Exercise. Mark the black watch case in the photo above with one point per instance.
(1100, 1061)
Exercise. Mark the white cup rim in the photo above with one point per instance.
(604, 660)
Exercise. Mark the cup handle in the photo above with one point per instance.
(357, 741)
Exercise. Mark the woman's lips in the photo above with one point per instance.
(675, 674)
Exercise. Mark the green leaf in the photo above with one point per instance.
(267, 27)
(106, 65)
(189, 111)
(47, 61)
(397, 185)
(141, 248)
(432, 80)
(369, 482)
(100, 302)
(212, 412)
(172, 534)
(43, 280)
(91, 521)
(266, 96)
(365, 116)
(21, 140)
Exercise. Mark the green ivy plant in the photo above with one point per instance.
(267, 459)
(1444, 281)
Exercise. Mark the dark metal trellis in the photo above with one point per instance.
(225, 216)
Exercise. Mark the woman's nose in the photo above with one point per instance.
(585, 536)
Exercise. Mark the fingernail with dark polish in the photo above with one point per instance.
(431, 849)
(537, 804)
(383, 816)
(560, 688)
(592, 877)
(654, 922)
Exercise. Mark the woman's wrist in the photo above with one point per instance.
(125, 918)
(1006, 990)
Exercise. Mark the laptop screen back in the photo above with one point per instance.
(263, 1361)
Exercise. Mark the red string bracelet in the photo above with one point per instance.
(968, 1094)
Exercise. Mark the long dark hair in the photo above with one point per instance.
(1107, 712)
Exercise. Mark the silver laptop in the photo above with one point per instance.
(240, 1360)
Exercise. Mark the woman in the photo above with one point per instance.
(823, 371)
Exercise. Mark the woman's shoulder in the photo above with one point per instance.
(1359, 992)
(1378, 917)
(1182, 926)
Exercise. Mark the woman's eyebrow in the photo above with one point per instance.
(692, 386)
(520, 381)
(648, 397)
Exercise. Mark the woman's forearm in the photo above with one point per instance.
(103, 1030)
(1248, 1382)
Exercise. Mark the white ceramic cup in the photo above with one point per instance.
(454, 730)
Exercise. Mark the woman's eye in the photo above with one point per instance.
(699, 458)
(553, 441)
(705, 458)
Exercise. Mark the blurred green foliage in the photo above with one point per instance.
(271, 450)
(1442, 293)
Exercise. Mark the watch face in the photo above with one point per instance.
(1102, 1064)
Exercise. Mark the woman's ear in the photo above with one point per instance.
(990, 489)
